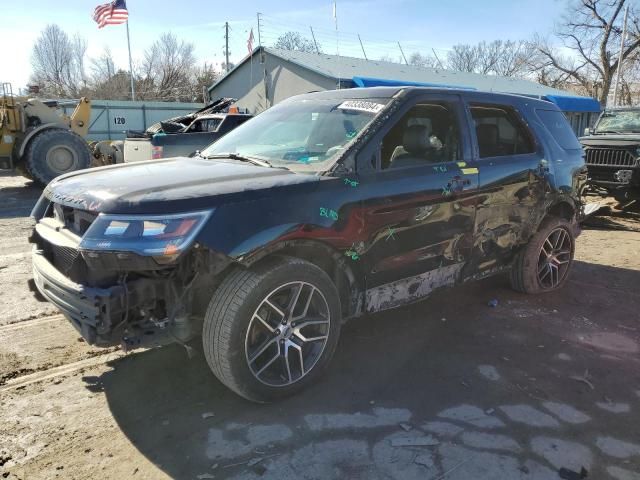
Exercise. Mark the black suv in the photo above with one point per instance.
(325, 207)
(613, 153)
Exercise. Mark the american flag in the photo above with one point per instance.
(112, 13)
(250, 42)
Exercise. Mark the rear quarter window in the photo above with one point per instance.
(557, 125)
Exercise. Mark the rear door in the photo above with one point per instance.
(512, 181)
(417, 202)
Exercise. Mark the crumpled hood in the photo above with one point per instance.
(170, 185)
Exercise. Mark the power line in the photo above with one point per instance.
(351, 44)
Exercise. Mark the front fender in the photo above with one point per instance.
(249, 247)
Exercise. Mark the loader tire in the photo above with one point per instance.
(55, 152)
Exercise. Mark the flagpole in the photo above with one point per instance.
(133, 92)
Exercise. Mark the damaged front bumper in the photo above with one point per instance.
(99, 314)
(88, 309)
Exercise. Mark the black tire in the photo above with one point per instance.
(231, 313)
(528, 272)
(54, 152)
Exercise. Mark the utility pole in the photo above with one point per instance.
(259, 37)
(226, 45)
(405, 58)
(314, 40)
(620, 57)
(259, 27)
(362, 47)
(262, 62)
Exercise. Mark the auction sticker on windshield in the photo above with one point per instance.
(362, 106)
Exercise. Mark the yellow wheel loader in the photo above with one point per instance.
(39, 141)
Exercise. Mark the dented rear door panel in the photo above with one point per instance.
(510, 198)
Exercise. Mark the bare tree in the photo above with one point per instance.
(58, 63)
(166, 69)
(108, 82)
(78, 54)
(592, 30)
(513, 58)
(116, 87)
(295, 41)
(464, 58)
(203, 77)
(419, 60)
(507, 58)
(388, 58)
(103, 67)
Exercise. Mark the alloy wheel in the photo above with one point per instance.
(554, 258)
(287, 334)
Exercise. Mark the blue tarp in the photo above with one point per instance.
(564, 103)
(574, 104)
(383, 82)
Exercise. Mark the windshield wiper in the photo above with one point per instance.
(607, 131)
(241, 158)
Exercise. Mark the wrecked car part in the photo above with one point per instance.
(179, 123)
(182, 135)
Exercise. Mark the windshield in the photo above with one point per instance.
(619, 121)
(300, 134)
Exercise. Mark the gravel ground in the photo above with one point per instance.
(536, 388)
(17, 197)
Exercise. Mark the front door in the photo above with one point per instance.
(417, 191)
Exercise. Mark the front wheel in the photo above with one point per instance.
(269, 332)
(543, 265)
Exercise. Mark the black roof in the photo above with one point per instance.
(411, 91)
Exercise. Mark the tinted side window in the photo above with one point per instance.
(500, 132)
(556, 123)
(428, 133)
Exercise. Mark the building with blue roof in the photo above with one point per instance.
(271, 75)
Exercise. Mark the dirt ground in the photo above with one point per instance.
(540, 387)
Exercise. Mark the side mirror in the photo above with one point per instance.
(587, 132)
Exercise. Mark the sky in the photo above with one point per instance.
(418, 25)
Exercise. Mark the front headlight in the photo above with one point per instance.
(163, 237)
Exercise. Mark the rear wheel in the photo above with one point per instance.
(55, 152)
(544, 264)
(268, 333)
